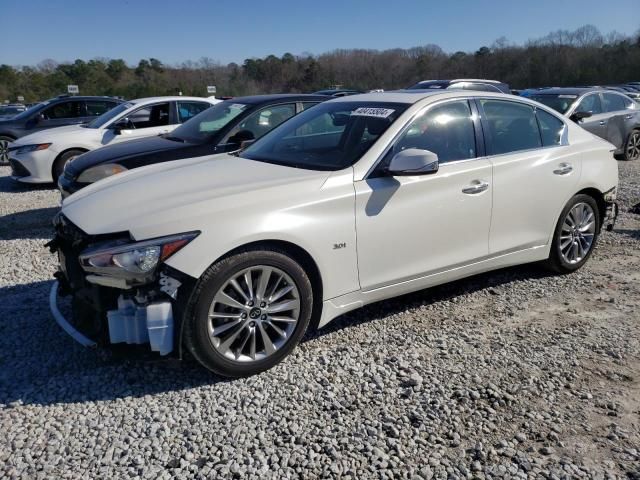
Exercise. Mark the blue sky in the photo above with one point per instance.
(178, 30)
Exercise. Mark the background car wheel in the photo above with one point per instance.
(61, 161)
(575, 235)
(632, 147)
(248, 312)
(4, 149)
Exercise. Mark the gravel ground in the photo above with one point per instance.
(512, 374)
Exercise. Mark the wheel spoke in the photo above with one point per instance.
(234, 283)
(275, 318)
(262, 283)
(268, 344)
(226, 326)
(280, 293)
(228, 301)
(277, 329)
(224, 346)
(284, 306)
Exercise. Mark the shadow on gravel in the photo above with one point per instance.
(34, 223)
(441, 293)
(8, 184)
(40, 364)
(629, 232)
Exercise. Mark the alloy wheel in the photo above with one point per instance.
(254, 314)
(578, 233)
(4, 151)
(633, 146)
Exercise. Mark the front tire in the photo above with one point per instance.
(632, 146)
(576, 234)
(61, 161)
(4, 149)
(248, 312)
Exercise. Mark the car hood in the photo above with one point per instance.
(49, 135)
(122, 151)
(183, 195)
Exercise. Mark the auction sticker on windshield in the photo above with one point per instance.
(373, 112)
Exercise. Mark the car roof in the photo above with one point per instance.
(567, 90)
(173, 98)
(261, 99)
(63, 98)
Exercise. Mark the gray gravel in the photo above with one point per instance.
(512, 374)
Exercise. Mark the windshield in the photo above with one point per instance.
(11, 110)
(203, 126)
(108, 115)
(329, 136)
(560, 103)
(31, 109)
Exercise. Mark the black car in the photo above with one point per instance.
(475, 84)
(225, 127)
(57, 112)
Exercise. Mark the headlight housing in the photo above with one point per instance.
(135, 262)
(99, 172)
(31, 148)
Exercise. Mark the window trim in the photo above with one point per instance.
(477, 130)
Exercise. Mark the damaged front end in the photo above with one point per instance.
(121, 290)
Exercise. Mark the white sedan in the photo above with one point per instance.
(41, 156)
(358, 199)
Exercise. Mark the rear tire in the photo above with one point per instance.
(61, 161)
(576, 234)
(632, 146)
(235, 328)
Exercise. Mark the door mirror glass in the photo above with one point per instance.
(413, 161)
(576, 117)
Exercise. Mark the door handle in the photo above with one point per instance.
(602, 122)
(477, 186)
(563, 169)
(628, 117)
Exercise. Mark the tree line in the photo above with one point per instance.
(581, 57)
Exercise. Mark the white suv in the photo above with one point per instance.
(355, 200)
(41, 156)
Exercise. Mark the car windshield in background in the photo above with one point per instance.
(329, 136)
(560, 103)
(206, 124)
(108, 116)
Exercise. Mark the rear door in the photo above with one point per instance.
(597, 122)
(616, 107)
(533, 173)
(94, 108)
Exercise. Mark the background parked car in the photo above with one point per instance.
(59, 111)
(337, 92)
(605, 113)
(625, 90)
(40, 157)
(11, 110)
(476, 84)
(222, 128)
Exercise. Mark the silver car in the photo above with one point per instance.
(605, 113)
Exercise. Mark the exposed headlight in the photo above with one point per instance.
(32, 148)
(133, 261)
(99, 172)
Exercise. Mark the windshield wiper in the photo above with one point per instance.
(174, 139)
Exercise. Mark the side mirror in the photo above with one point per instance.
(577, 116)
(242, 136)
(413, 161)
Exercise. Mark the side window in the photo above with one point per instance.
(63, 110)
(512, 126)
(613, 102)
(186, 110)
(551, 128)
(446, 130)
(261, 122)
(98, 107)
(151, 116)
(590, 103)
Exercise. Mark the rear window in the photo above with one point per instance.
(512, 126)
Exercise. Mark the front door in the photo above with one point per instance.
(412, 226)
